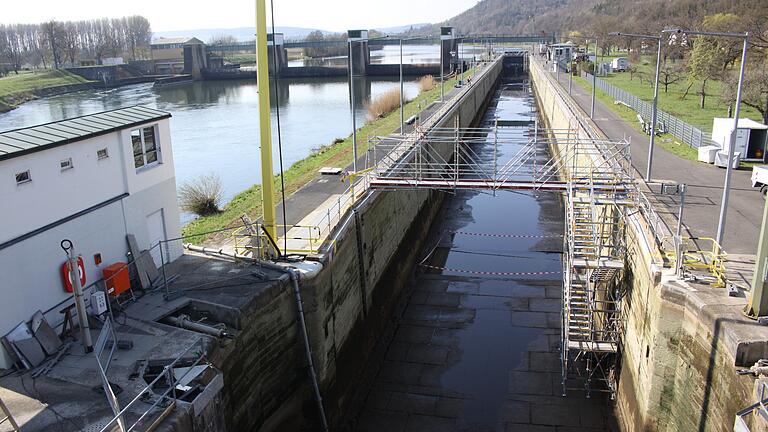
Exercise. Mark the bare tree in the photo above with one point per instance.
(668, 75)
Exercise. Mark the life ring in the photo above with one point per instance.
(67, 277)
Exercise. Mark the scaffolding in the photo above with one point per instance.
(595, 179)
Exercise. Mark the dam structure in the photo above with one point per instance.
(497, 265)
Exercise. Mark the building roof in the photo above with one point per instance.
(176, 40)
(23, 141)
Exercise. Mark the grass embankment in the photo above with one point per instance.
(303, 171)
(687, 110)
(17, 89)
(668, 142)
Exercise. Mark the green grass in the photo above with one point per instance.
(17, 89)
(303, 171)
(28, 81)
(666, 141)
(685, 109)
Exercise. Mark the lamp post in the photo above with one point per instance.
(594, 75)
(402, 96)
(350, 40)
(594, 85)
(654, 113)
(732, 140)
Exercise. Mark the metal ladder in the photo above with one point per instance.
(8, 417)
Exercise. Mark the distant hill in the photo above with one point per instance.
(598, 16)
(241, 33)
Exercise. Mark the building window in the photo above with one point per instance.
(23, 177)
(66, 164)
(102, 153)
(145, 149)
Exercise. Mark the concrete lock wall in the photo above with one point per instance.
(678, 354)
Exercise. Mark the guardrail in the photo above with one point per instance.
(711, 259)
(686, 133)
(172, 381)
(761, 406)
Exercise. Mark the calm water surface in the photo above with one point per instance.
(215, 124)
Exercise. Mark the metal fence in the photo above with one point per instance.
(666, 122)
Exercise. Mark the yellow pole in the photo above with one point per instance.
(262, 75)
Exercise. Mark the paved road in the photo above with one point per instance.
(318, 190)
(705, 182)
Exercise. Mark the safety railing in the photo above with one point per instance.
(712, 258)
(168, 394)
(761, 407)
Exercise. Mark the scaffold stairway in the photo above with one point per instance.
(593, 253)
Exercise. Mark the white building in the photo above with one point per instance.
(91, 179)
(620, 64)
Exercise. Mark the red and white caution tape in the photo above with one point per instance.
(490, 273)
(476, 234)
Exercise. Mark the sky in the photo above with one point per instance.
(168, 15)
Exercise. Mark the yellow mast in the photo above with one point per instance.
(265, 128)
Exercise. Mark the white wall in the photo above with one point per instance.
(54, 194)
(31, 268)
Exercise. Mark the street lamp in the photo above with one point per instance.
(594, 75)
(363, 35)
(732, 141)
(402, 115)
(654, 115)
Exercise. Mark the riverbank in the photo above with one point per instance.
(30, 85)
(303, 171)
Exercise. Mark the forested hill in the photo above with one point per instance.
(593, 16)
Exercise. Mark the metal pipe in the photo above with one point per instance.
(352, 108)
(732, 145)
(402, 113)
(654, 115)
(594, 85)
(307, 348)
(77, 292)
(185, 322)
(442, 97)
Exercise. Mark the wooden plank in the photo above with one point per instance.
(133, 247)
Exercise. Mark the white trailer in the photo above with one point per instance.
(760, 179)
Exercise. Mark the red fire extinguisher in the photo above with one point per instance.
(66, 274)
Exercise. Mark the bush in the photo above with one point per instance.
(384, 104)
(426, 83)
(201, 196)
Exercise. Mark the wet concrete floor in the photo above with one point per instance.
(476, 351)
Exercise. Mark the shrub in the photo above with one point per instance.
(384, 104)
(426, 83)
(201, 196)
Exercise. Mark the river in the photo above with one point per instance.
(215, 123)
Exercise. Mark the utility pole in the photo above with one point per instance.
(265, 127)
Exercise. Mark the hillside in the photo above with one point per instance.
(595, 16)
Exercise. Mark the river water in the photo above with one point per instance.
(477, 345)
(215, 128)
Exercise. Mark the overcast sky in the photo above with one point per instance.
(166, 15)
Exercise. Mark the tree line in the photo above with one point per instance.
(64, 43)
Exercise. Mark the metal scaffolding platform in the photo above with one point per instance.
(596, 181)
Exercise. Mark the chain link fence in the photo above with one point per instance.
(666, 122)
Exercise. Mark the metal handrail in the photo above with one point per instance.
(167, 370)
